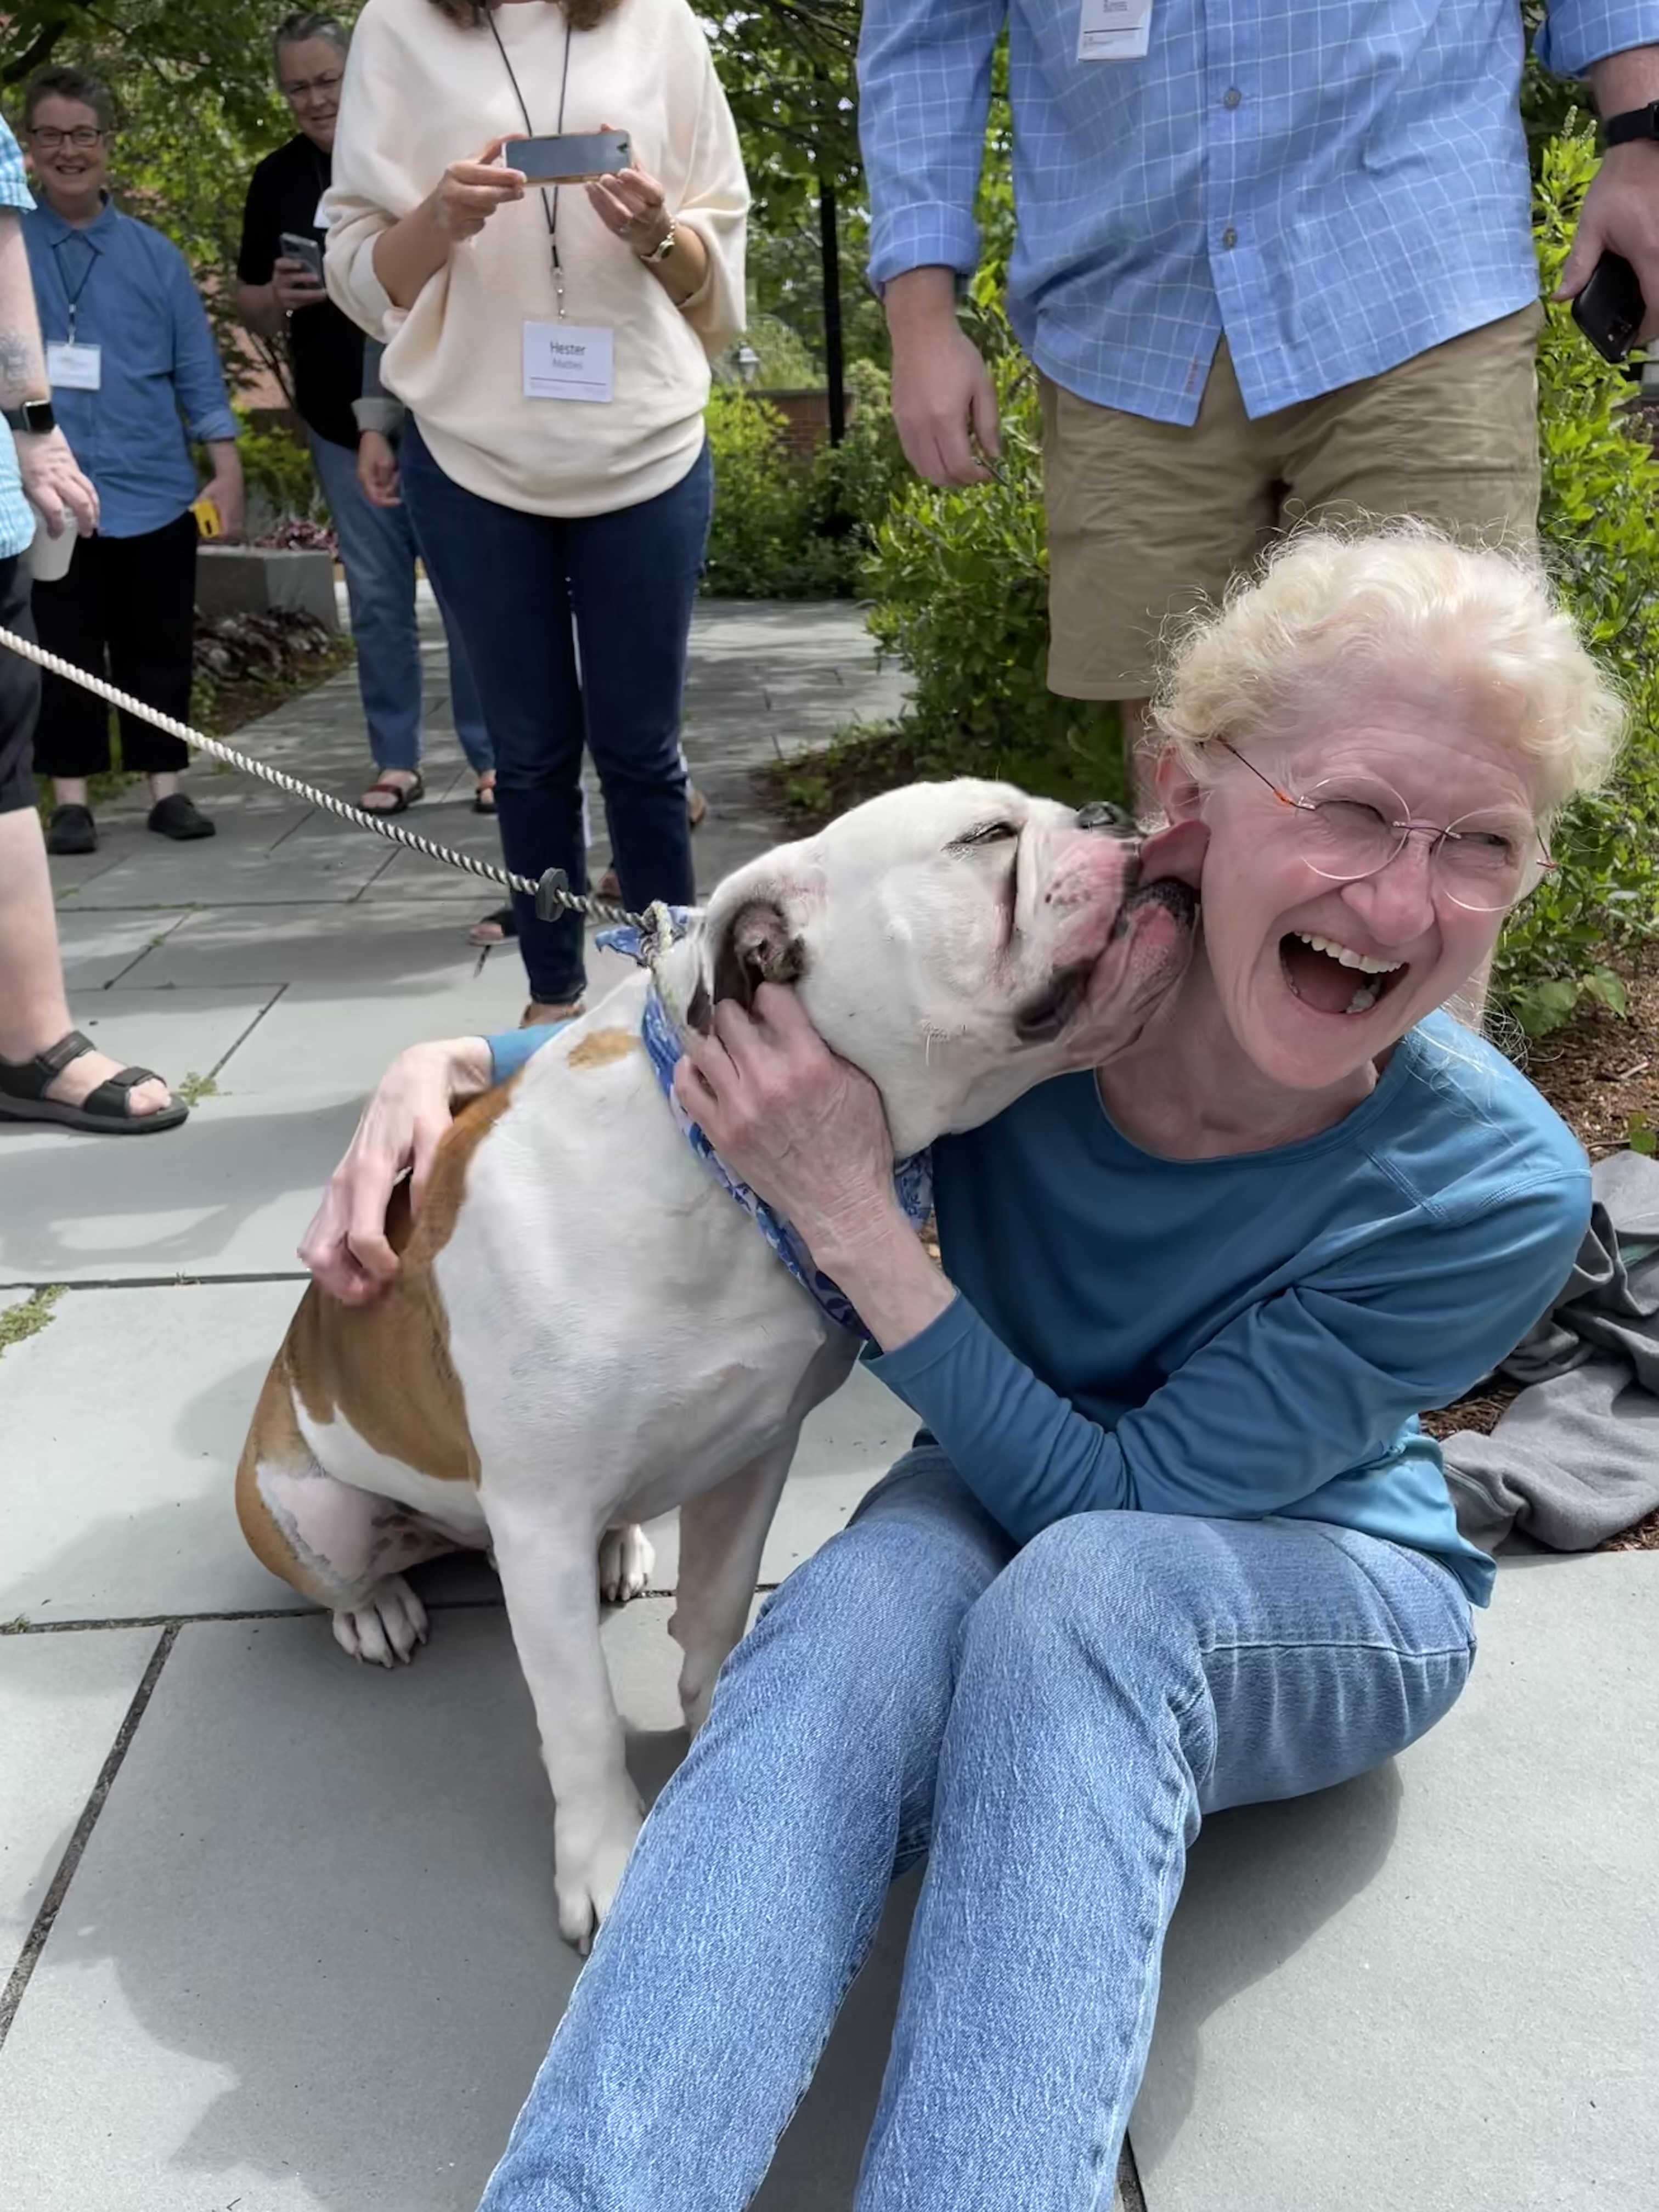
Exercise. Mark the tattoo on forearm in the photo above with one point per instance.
(21, 365)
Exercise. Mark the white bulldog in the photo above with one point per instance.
(587, 1330)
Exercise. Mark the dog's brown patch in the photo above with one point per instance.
(385, 1368)
(602, 1047)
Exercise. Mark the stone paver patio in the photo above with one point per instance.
(279, 1929)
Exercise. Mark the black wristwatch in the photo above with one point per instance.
(33, 418)
(1634, 123)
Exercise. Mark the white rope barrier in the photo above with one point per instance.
(552, 894)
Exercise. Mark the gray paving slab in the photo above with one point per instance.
(298, 1971)
(123, 1420)
(392, 947)
(228, 870)
(1438, 1986)
(227, 1193)
(63, 1699)
(99, 948)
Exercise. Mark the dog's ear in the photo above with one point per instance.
(757, 946)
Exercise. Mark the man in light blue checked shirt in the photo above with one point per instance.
(1271, 258)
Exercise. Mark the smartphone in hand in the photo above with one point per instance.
(570, 159)
(1610, 310)
(298, 248)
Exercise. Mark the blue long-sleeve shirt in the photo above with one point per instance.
(1244, 1336)
(120, 286)
(1338, 185)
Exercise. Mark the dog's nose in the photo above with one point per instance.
(1101, 814)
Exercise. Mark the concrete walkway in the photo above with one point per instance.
(282, 1927)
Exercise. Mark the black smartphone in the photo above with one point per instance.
(1610, 309)
(571, 159)
(297, 248)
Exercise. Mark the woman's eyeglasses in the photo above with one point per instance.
(1350, 827)
(83, 137)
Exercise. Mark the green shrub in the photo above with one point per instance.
(277, 467)
(959, 582)
(1600, 521)
(783, 530)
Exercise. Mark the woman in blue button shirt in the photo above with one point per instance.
(1172, 1539)
(135, 376)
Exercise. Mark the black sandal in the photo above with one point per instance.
(496, 928)
(107, 1110)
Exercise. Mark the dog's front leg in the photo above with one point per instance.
(552, 1602)
(722, 1535)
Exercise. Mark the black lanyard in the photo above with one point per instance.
(74, 297)
(550, 209)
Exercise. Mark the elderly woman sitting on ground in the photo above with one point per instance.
(1170, 1538)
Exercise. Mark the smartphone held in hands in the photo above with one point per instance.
(1610, 310)
(306, 249)
(570, 159)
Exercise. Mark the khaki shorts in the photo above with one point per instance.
(1145, 517)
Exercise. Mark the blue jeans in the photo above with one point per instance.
(1050, 1727)
(528, 591)
(378, 551)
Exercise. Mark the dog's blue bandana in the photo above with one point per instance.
(913, 1178)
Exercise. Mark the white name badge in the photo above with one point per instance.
(1114, 30)
(567, 360)
(75, 367)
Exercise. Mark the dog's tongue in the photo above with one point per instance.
(1176, 852)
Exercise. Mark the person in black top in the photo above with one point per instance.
(277, 295)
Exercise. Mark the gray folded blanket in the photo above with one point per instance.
(1576, 1457)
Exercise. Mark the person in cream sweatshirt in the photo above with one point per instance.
(551, 344)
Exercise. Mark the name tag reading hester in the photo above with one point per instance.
(567, 360)
(1114, 30)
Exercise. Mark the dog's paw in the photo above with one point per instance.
(386, 1629)
(588, 1874)
(626, 1560)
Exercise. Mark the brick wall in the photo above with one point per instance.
(805, 420)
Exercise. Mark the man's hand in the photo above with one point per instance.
(224, 494)
(54, 486)
(1620, 215)
(944, 404)
(293, 287)
(377, 470)
(403, 1125)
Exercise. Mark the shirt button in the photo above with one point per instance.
(1230, 238)
(1231, 97)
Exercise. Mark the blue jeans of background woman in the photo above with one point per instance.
(1049, 1728)
(528, 591)
(378, 552)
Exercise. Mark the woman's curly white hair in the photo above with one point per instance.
(1331, 607)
